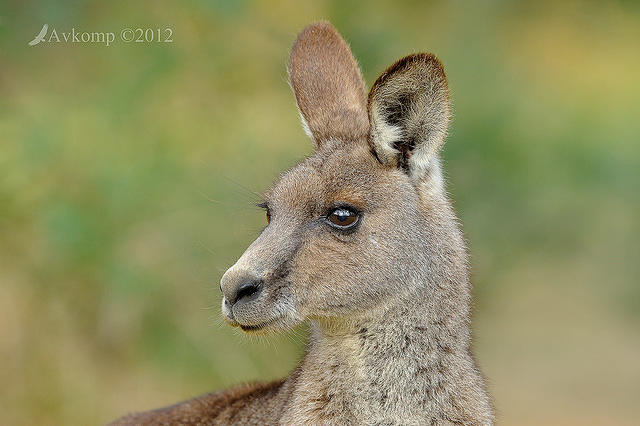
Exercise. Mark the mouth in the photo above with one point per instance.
(258, 327)
(231, 319)
(249, 324)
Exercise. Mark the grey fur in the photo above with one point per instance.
(389, 301)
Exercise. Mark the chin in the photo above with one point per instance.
(279, 322)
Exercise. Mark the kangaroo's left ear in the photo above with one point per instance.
(409, 113)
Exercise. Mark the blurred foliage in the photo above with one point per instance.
(128, 173)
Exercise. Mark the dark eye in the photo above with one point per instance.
(343, 218)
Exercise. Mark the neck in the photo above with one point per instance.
(407, 360)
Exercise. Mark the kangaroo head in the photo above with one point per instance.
(361, 221)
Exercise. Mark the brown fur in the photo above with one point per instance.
(221, 407)
(333, 102)
(389, 299)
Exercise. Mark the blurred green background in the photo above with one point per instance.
(128, 173)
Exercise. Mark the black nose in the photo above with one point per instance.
(247, 291)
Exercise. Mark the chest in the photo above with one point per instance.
(364, 390)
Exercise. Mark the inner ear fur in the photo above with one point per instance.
(409, 113)
(328, 86)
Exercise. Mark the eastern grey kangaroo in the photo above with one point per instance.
(362, 242)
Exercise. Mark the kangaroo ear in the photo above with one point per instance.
(409, 113)
(328, 86)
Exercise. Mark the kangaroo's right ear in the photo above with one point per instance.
(328, 86)
(409, 113)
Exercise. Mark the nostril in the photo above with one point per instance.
(248, 289)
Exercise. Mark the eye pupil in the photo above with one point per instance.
(343, 218)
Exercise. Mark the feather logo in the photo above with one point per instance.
(40, 36)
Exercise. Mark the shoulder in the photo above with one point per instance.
(235, 405)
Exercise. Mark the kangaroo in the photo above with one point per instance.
(362, 242)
